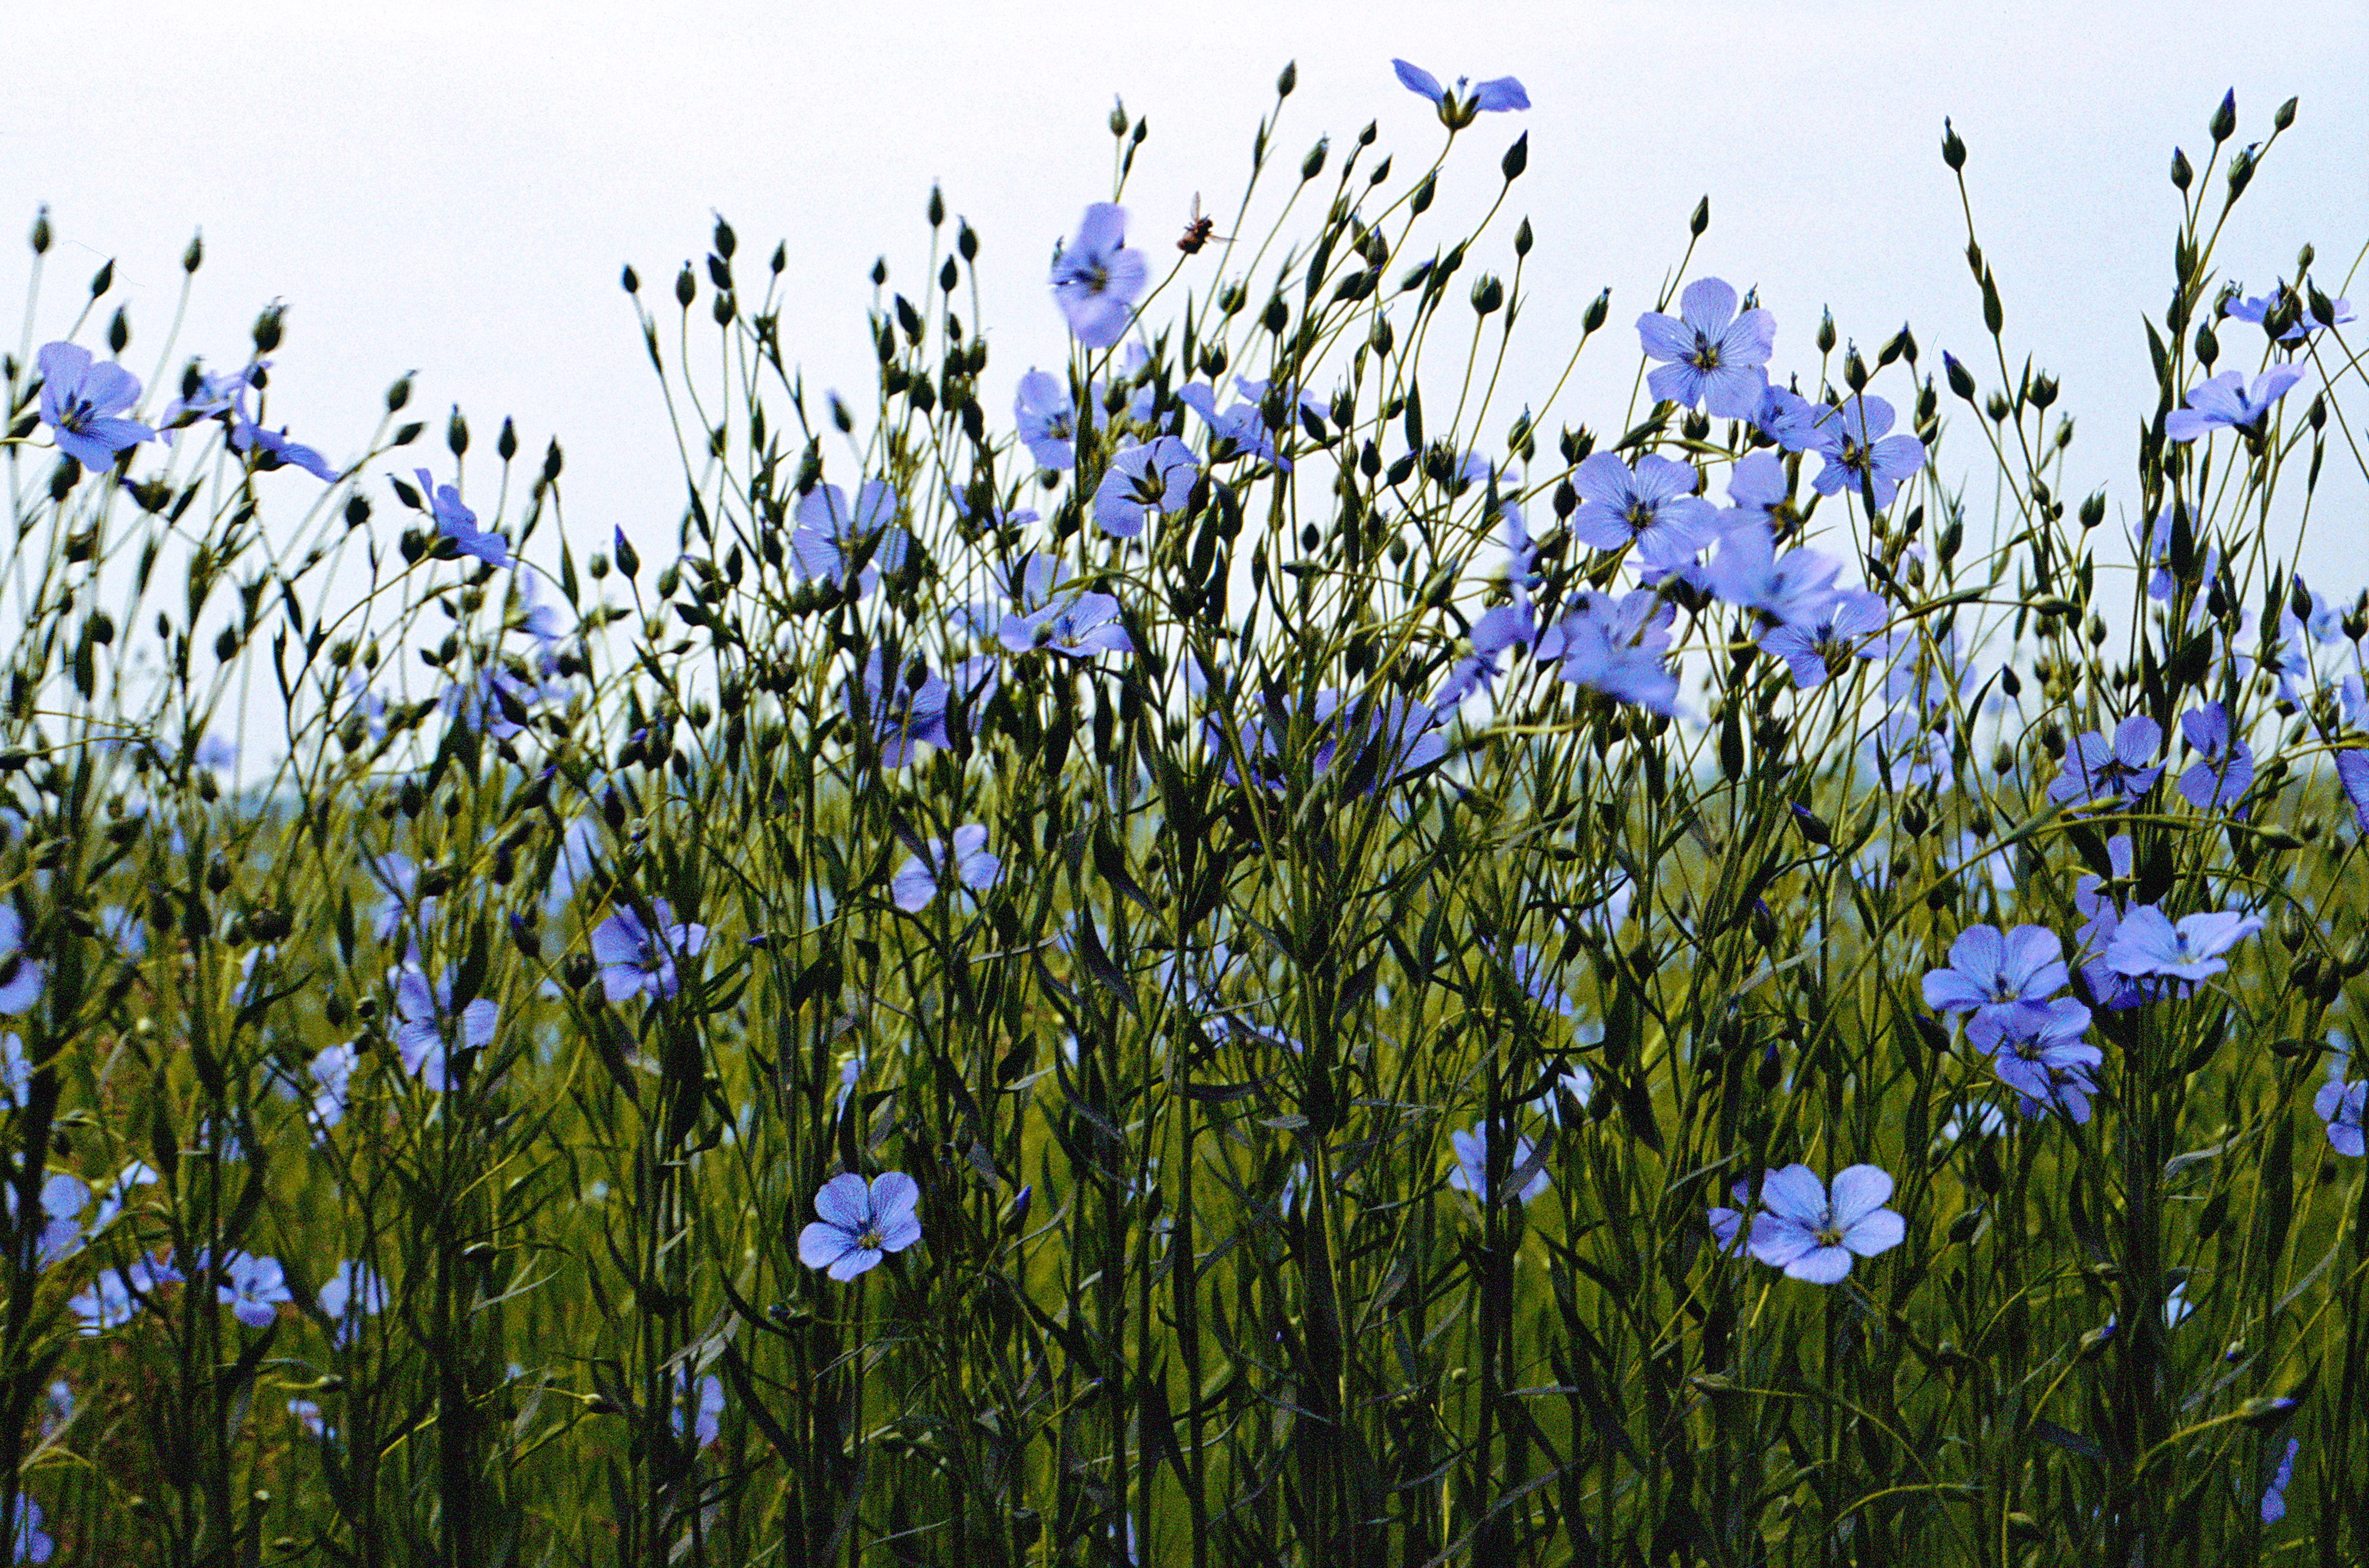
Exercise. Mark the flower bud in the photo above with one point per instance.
(2225, 119)
(1953, 147)
(1517, 158)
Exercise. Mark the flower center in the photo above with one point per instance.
(869, 1237)
(1705, 354)
(1828, 1234)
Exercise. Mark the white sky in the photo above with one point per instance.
(451, 189)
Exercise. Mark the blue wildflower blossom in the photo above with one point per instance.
(973, 867)
(905, 716)
(1048, 420)
(2149, 945)
(832, 534)
(1395, 734)
(2342, 1106)
(212, 393)
(1790, 419)
(33, 1542)
(1814, 1233)
(860, 1224)
(1471, 1172)
(1996, 975)
(1615, 647)
(1059, 617)
(1096, 277)
(423, 1036)
(1821, 643)
(1241, 425)
(2257, 309)
(1859, 454)
(1457, 107)
(2275, 1496)
(1758, 486)
(2225, 404)
(1731, 1227)
(20, 977)
(252, 1287)
(707, 1419)
(1153, 476)
(458, 523)
(2116, 769)
(278, 452)
(2352, 772)
(81, 399)
(2038, 1052)
(352, 1291)
(638, 958)
(1792, 588)
(2226, 768)
(1711, 356)
(1653, 507)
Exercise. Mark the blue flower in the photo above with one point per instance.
(905, 716)
(351, 1291)
(1457, 107)
(1796, 589)
(917, 880)
(421, 1037)
(1048, 420)
(638, 958)
(831, 535)
(1813, 1233)
(1790, 419)
(279, 450)
(63, 1197)
(1858, 452)
(1731, 1227)
(2352, 772)
(459, 524)
(80, 400)
(1712, 356)
(2038, 1051)
(2149, 945)
(1096, 277)
(1057, 617)
(1615, 647)
(707, 1421)
(113, 1298)
(1396, 733)
(2342, 1106)
(332, 1070)
(2223, 403)
(252, 1287)
(223, 394)
(1758, 486)
(33, 1543)
(2275, 1496)
(20, 978)
(1156, 475)
(1472, 1171)
(1818, 645)
(2259, 307)
(1994, 974)
(860, 1225)
(2226, 771)
(1654, 505)
(2098, 768)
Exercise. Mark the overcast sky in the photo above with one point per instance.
(452, 188)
